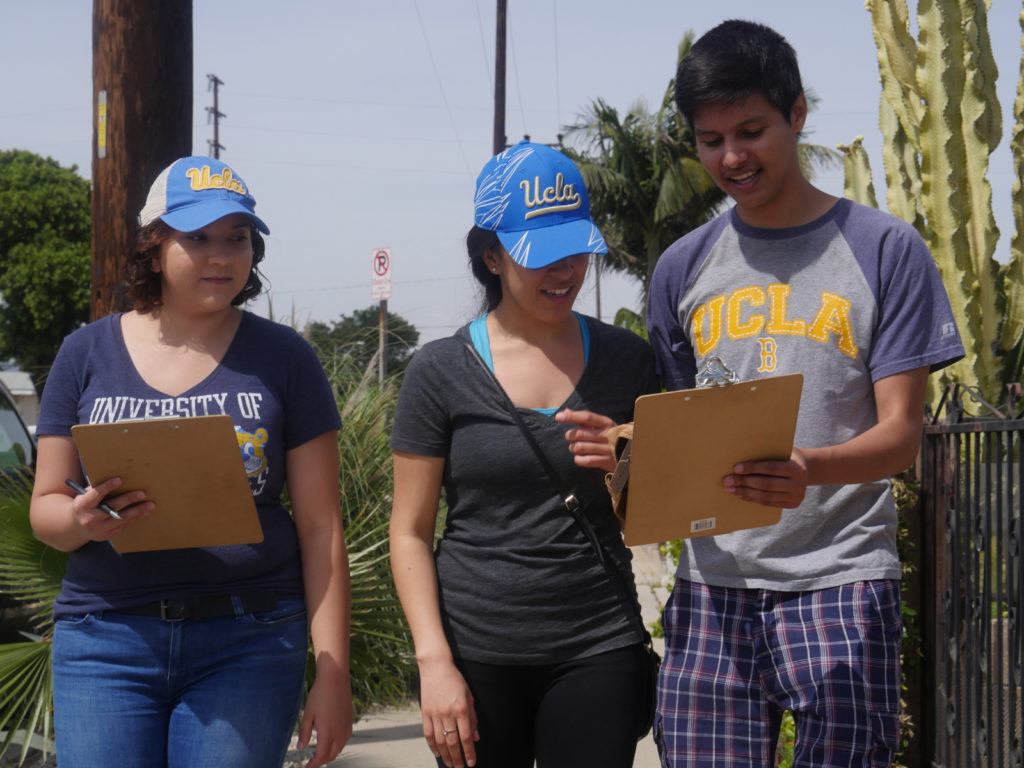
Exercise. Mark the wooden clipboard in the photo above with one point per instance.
(685, 442)
(191, 468)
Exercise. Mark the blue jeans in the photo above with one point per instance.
(140, 692)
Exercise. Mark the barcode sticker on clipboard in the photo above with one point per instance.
(706, 524)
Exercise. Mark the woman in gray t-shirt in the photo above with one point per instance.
(527, 650)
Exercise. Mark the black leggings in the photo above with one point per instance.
(577, 714)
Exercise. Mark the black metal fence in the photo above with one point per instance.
(971, 606)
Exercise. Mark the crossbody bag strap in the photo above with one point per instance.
(569, 499)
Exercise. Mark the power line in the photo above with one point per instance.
(515, 66)
(373, 168)
(371, 103)
(558, 94)
(364, 286)
(483, 47)
(39, 112)
(440, 86)
(334, 134)
(345, 102)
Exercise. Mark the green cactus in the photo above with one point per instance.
(897, 54)
(982, 130)
(941, 121)
(857, 170)
(902, 169)
(1012, 276)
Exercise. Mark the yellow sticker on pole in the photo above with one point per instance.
(101, 125)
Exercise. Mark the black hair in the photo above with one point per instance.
(478, 242)
(735, 60)
(142, 285)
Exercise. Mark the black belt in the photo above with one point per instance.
(205, 606)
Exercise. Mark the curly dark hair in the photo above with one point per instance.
(142, 284)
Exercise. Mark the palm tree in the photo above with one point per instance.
(647, 187)
(31, 574)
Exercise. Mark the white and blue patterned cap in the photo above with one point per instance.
(195, 191)
(534, 199)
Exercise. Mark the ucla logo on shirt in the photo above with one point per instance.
(730, 315)
(254, 458)
(202, 178)
(560, 197)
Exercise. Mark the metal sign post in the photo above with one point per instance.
(380, 290)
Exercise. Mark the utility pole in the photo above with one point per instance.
(380, 290)
(382, 358)
(499, 79)
(214, 113)
(500, 139)
(142, 122)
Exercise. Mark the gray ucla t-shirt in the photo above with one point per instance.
(845, 300)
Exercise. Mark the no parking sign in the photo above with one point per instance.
(380, 287)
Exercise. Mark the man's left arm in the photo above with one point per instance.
(883, 450)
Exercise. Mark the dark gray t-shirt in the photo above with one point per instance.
(519, 582)
(846, 300)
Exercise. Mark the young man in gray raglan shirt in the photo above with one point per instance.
(803, 615)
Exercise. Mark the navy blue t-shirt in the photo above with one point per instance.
(271, 385)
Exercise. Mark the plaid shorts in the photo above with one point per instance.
(736, 658)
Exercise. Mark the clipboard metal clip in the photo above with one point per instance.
(715, 373)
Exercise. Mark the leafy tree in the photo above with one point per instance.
(357, 336)
(37, 194)
(44, 257)
(646, 184)
(647, 188)
(45, 288)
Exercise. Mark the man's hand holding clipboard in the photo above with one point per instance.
(780, 484)
(706, 461)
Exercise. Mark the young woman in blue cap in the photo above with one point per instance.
(528, 649)
(196, 657)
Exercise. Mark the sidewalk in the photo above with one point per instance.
(393, 738)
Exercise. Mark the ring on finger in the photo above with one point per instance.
(446, 731)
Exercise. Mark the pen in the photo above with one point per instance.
(80, 490)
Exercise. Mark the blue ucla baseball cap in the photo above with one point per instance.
(533, 198)
(195, 191)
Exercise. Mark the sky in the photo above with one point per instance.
(361, 124)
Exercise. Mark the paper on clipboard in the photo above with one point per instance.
(685, 442)
(191, 468)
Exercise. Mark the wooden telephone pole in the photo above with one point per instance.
(142, 122)
(500, 141)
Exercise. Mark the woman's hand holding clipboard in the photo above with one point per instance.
(100, 516)
(190, 468)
